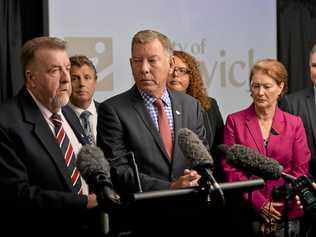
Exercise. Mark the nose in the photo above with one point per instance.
(261, 90)
(174, 73)
(65, 75)
(145, 67)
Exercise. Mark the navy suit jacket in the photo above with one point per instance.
(302, 103)
(33, 173)
(124, 124)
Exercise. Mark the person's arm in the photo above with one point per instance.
(113, 140)
(301, 153)
(233, 174)
(16, 185)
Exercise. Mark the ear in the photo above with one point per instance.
(131, 62)
(281, 86)
(171, 64)
(29, 78)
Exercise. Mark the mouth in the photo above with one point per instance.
(174, 82)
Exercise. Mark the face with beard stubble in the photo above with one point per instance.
(48, 78)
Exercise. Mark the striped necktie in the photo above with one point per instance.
(68, 152)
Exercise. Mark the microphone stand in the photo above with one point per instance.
(286, 209)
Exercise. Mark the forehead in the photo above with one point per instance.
(148, 49)
(262, 78)
(179, 62)
(83, 69)
(52, 56)
(313, 58)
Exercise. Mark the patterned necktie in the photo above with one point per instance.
(68, 152)
(164, 129)
(87, 126)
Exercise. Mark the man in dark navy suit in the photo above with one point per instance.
(33, 171)
(303, 104)
(132, 121)
(83, 81)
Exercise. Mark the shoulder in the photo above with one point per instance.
(240, 115)
(121, 98)
(182, 98)
(290, 118)
(12, 111)
(299, 94)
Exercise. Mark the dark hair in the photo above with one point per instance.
(196, 85)
(30, 47)
(147, 36)
(273, 69)
(80, 60)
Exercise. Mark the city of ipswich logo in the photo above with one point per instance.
(100, 51)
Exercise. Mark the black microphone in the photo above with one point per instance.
(201, 160)
(95, 170)
(251, 161)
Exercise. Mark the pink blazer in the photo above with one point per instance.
(287, 144)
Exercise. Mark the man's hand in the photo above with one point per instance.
(298, 200)
(92, 201)
(189, 178)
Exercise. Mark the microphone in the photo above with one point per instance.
(95, 170)
(251, 161)
(194, 150)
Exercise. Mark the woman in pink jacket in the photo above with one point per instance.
(264, 127)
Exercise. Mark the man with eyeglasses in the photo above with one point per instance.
(131, 121)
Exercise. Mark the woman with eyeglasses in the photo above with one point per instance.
(187, 78)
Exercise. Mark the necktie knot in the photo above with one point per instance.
(56, 120)
(159, 104)
(85, 114)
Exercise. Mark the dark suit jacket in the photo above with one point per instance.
(124, 125)
(33, 173)
(214, 126)
(302, 103)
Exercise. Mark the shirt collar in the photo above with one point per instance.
(92, 109)
(44, 111)
(151, 99)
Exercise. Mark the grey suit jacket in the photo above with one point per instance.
(302, 103)
(124, 124)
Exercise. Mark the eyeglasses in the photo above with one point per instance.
(181, 71)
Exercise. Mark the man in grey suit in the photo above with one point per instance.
(129, 121)
(303, 103)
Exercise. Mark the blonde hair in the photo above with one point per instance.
(147, 36)
(273, 69)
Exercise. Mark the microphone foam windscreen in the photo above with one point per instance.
(252, 161)
(91, 160)
(193, 148)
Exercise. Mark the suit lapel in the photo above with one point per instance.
(43, 132)
(254, 129)
(143, 113)
(74, 123)
(311, 108)
(177, 112)
(276, 132)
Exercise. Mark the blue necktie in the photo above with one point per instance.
(87, 126)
